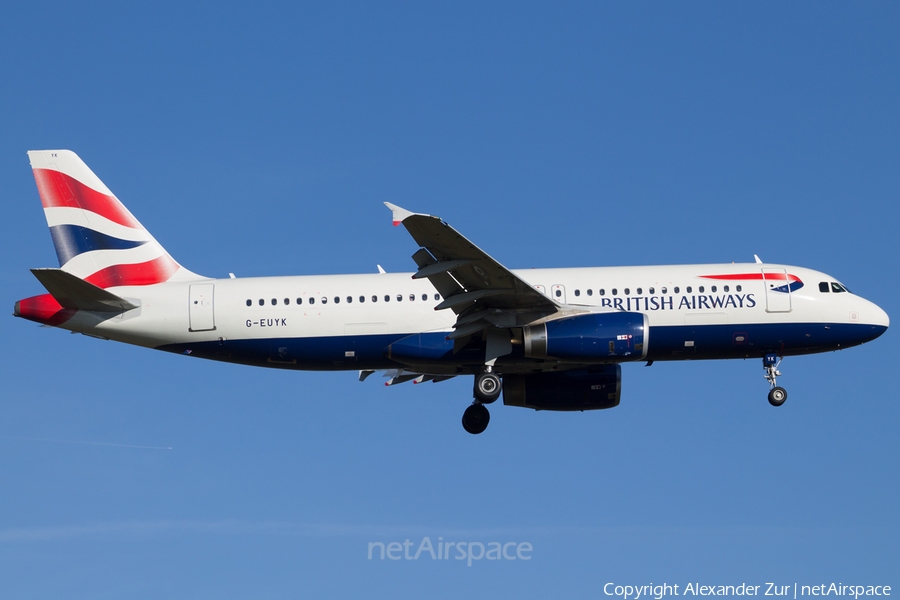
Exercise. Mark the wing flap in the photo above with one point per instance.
(440, 267)
(398, 376)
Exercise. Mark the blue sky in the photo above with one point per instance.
(262, 140)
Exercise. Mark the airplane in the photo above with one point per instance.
(546, 339)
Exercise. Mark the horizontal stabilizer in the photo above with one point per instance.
(73, 292)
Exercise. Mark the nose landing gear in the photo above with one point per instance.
(777, 395)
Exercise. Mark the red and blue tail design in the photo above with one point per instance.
(96, 238)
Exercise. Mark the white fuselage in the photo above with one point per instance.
(347, 310)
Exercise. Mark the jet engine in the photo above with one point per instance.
(594, 337)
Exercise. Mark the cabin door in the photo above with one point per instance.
(201, 307)
(778, 290)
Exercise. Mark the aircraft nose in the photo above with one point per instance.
(873, 315)
(879, 317)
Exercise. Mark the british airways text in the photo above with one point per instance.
(683, 302)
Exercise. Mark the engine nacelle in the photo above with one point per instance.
(594, 337)
(586, 389)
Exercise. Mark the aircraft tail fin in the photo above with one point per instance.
(96, 238)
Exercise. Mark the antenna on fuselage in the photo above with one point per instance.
(759, 262)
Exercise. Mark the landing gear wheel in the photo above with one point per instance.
(777, 396)
(476, 419)
(487, 387)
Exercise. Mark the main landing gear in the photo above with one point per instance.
(777, 395)
(487, 389)
(476, 418)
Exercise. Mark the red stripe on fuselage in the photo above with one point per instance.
(59, 190)
(157, 270)
(768, 276)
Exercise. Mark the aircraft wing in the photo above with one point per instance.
(475, 286)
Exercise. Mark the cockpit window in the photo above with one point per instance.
(837, 288)
(823, 287)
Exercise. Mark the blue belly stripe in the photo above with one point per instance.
(724, 341)
(665, 343)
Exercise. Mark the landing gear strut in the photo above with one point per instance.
(487, 389)
(777, 395)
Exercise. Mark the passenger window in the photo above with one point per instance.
(640, 291)
(249, 302)
(677, 289)
(324, 300)
(437, 296)
(387, 298)
(337, 299)
(274, 302)
(287, 301)
(823, 287)
(627, 291)
(737, 287)
(577, 292)
(299, 300)
(424, 297)
(312, 300)
(399, 297)
(558, 293)
(689, 288)
(362, 298)
(602, 292)
(713, 289)
(374, 298)
(590, 292)
(412, 297)
(652, 291)
(725, 288)
(701, 289)
(262, 302)
(349, 299)
(663, 291)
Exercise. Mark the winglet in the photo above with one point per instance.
(399, 213)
